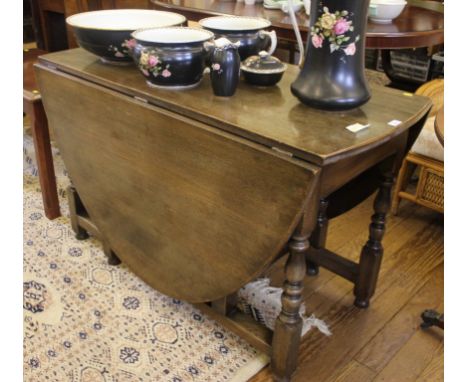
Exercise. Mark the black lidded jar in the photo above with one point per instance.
(263, 70)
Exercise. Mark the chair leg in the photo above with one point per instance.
(402, 175)
(45, 163)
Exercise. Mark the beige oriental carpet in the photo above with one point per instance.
(87, 321)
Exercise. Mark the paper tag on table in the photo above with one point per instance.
(394, 123)
(356, 127)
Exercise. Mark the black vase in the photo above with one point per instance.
(332, 77)
(225, 70)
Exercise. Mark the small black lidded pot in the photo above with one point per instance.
(263, 70)
(225, 67)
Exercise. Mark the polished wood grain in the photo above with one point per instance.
(415, 27)
(251, 217)
(32, 106)
(313, 135)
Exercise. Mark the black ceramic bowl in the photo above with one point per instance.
(172, 58)
(248, 31)
(107, 33)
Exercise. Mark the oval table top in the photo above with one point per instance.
(439, 125)
(416, 27)
(313, 135)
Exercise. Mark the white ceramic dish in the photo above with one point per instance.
(234, 23)
(384, 11)
(125, 19)
(172, 35)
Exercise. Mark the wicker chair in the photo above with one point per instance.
(428, 154)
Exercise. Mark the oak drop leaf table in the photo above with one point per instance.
(199, 194)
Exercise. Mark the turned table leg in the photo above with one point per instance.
(288, 327)
(372, 252)
(319, 236)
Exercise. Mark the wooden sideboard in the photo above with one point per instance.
(200, 194)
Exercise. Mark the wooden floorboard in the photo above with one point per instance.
(355, 371)
(384, 342)
(422, 348)
(378, 352)
(434, 371)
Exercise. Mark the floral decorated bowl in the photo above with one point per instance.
(174, 57)
(248, 31)
(106, 33)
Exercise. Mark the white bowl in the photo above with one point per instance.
(234, 23)
(384, 11)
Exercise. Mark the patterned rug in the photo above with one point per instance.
(86, 321)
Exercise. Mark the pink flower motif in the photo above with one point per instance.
(152, 61)
(341, 26)
(166, 73)
(216, 66)
(317, 41)
(350, 49)
(145, 72)
(131, 43)
(118, 54)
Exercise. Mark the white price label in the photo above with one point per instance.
(394, 123)
(355, 127)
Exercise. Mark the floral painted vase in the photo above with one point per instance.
(332, 77)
